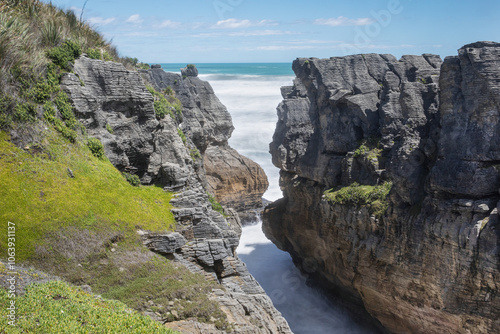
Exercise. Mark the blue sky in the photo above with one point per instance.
(205, 31)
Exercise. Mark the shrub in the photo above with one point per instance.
(94, 54)
(132, 179)
(5, 120)
(96, 147)
(162, 106)
(66, 132)
(65, 109)
(65, 53)
(25, 112)
(49, 112)
(361, 150)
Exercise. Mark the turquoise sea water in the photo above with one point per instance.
(256, 69)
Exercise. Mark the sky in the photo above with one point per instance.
(221, 31)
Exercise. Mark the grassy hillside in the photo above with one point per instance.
(75, 215)
(56, 307)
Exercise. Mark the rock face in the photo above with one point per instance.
(430, 263)
(233, 179)
(204, 241)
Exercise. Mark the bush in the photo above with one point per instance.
(96, 147)
(66, 132)
(41, 92)
(132, 179)
(25, 112)
(65, 53)
(65, 109)
(94, 54)
(49, 112)
(162, 106)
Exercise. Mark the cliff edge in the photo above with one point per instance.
(390, 173)
(234, 180)
(115, 106)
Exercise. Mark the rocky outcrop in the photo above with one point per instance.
(108, 97)
(430, 262)
(233, 179)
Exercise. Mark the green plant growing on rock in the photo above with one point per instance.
(195, 154)
(95, 146)
(133, 179)
(216, 206)
(182, 135)
(165, 104)
(25, 112)
(369, 148)
(65, 53)
(362, 195)
(94, 54)
(109, 128)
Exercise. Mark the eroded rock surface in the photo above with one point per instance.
(233, 179)
(204, 240)
(430, 263)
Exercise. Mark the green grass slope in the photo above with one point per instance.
(56, 307)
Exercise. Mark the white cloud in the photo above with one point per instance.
(245, 33)
(169, 24)
(261, 33)
(235, 23)
(284, 47)
(135, 19)
(344, 21)
(100, 21)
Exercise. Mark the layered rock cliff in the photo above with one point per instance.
(233, 179)
(425, 258)
(115, 107)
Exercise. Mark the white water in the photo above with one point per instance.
(252, 102)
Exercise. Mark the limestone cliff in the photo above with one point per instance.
(233, 179)
(115, 107)
(426, 259)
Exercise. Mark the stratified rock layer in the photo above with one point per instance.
(113, 98)
(233, 179)
(430, 263)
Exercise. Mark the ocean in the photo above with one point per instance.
(251, 93)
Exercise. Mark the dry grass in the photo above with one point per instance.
(29, 27)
